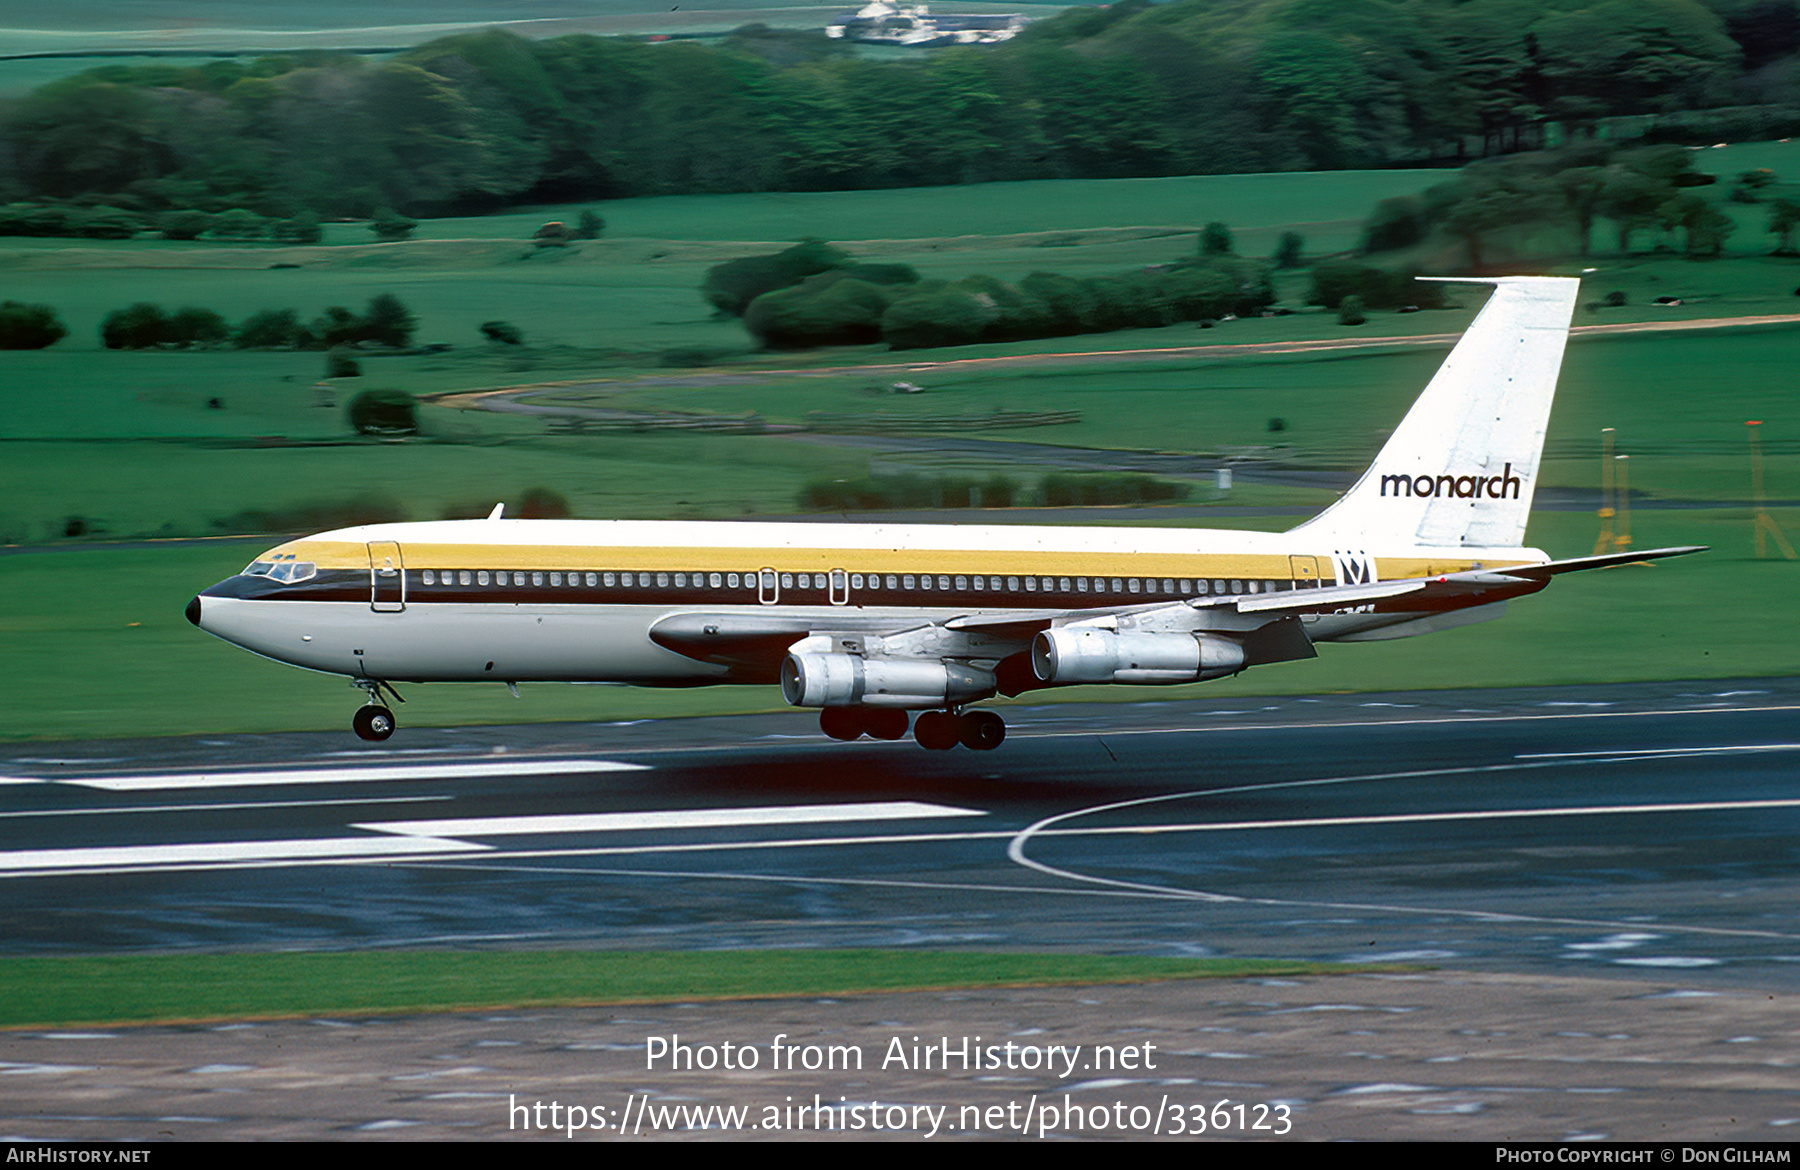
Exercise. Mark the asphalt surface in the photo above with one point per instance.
(1602, 880)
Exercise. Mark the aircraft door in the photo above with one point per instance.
(840, 587)
(768, 588)
(387, 577)
(1306, 572)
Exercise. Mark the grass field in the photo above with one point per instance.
(128, 443)
(45, 992)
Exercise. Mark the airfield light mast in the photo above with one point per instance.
(1765, 523)
(1605, 543)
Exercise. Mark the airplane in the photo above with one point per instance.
(869, 622)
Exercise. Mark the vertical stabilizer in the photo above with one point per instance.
(1461, 468)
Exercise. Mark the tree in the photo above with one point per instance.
(183, 225)
(192, 326)
(1215, 240)
(384, 412)
(934, 314)
(1784, 217)
(1289, 253)
(502, 332)
(1703, 225)
(138, 326)
(304, 228)
(272, 329)
(589, 226)
(1397, 222)
(1630, 197)
(388, 321)
(390, 226)
(731, 286)
(338, 326)
(239, 224)
(25, 326)
(1350, 311)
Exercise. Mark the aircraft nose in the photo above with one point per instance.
(193, 610)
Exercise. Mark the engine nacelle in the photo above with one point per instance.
(1084, 654)
(848, 680)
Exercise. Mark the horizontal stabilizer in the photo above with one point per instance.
(1550, 569)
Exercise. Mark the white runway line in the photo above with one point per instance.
(150, 782)
(696, 818)
(217, 852)
(1604, 810)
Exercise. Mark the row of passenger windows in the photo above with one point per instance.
(766, 582)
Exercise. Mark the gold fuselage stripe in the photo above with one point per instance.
(1029, 563)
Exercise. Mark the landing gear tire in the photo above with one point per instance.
(841, 722)
(936, 730)
(373, 722)
(982, 731)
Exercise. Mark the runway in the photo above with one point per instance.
(1567, 831)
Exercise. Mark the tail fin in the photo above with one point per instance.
(1461, 468)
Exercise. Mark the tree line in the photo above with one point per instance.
(816, 294)
(143, 325)
(479, 121)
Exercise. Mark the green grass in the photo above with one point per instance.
(51, 992)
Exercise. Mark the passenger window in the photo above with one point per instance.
(731, 579)
(481, 578)
(961, 582)
(980, 583)
(1133, 583)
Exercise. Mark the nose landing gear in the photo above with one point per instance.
(373, 720)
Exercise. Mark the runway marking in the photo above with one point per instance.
(216, 852)
(1473, 815)
(368, 775)
(689, 818)
(1015, 851)
(222, 806)
(1660, 753)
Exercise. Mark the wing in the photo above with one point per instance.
(1251, 629)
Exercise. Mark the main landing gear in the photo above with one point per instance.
(373, 720)
(981, 731)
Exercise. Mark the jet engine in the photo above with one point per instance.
(1082, 654)
(845, 680)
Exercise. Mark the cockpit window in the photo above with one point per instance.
(283, 568)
